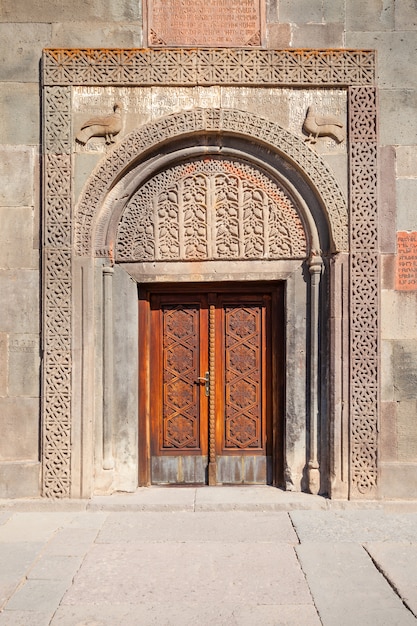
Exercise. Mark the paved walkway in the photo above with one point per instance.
(187, 556)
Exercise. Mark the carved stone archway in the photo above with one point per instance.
(67, 368)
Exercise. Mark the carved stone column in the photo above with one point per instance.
(315, 268)
(108, 462)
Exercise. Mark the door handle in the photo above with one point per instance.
(206, 380)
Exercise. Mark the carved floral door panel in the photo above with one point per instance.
(213, 386)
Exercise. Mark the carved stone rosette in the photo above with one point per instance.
(65, 69)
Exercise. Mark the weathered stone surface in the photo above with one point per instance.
(20, 301)
(16, 238)
(16, 559)
(407, 431)
(24, 365)
(406, 15)
(44, 11)
(406, 204)
(4, 363)
(20, 480)
(372, 15)
(21, 48)
(278, 35)
(406, 161)
(24, 618)
(318, 36)
(16, 190)
(398, 481)
(272, 11)
(387, 213)
(388, 270)
(404, 367)
(44, 594)
(399, 315)
(396, 58)
(90, 34)
(309, 11)
(359, 593)
(55, 567)
(19, 122)
(398, 122)
(19, 425)
(387, 383)
(388, 430)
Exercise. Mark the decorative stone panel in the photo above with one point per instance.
(64, 69)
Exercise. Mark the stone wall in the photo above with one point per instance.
(28, 27)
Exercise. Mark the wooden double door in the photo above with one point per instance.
(211, 384)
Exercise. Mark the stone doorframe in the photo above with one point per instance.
(354, 275)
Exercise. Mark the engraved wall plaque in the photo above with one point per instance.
(406, 274)
(217, 23)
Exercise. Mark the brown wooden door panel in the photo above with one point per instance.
(243, 431)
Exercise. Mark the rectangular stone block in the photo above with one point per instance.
(372, 15)
(24, 365)
(407, 204)
(21, 48)
(19, 122)
(387, 200)
(47, 11)
(388, 429)
(399, 315)
(16, 190)
(397, 68)
(406, 161)
(406, 15)
(300, 12)
(398, 481)
(407, 431)
(387, 376)
(278, 36)
(318, 36)
(404, 367)
(19, 312)
(388, 270)
(16, 238)
(93, 35)
(272, 11)
(20, 480)
(19, 426)
(4, 363)
(398, 121)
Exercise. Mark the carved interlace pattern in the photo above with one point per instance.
(57, 331)
(180, 419)
(210, 209)
(208, 67)
(204, 120)
(243, 392)
(364, 292)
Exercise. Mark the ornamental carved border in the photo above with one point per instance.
(65, 68)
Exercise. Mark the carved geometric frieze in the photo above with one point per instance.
(210, 209)
(205, 120)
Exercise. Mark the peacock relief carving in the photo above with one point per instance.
(103, 126)
(323, 126)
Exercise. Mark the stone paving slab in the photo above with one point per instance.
(347, 588)
(24, 618)
(184, 614)
(398, 563)
(147, 499)
(354, 526)
(162, 573)
(55, 567)
(71, 541)
(44, 595)
(37, 527)
(233, 526)
(15, 560)
(254, 498)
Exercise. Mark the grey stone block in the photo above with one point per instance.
(407, 204)
(47, 11)
(45, 595)
(398, 481)
(19, 480)
(387, 200)
(309, 11)
(19, 312)
(15, 559)
(398, 121)
(19, 122)
(407, 431)
(4, 363)
(24, 365)
(388, 432)
(318, 36)
(272, 11)
(55, 567)
(19, 425)
(406, 161)
(359, 593)
(21, 49)
(387, 362)
(372, 15)
(15, 189)
(16, 238)
(397, 68)
(404, 368)
(399, 315)
(406, 15)
(91, 34)
(24, 618)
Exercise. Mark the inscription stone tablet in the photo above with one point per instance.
(214, 23)
(406, 275)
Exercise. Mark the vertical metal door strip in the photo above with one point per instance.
(212, 468)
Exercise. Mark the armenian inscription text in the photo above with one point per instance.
(202, 23)
(406, 278)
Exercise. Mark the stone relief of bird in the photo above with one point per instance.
(105, 126)
(322, 126)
